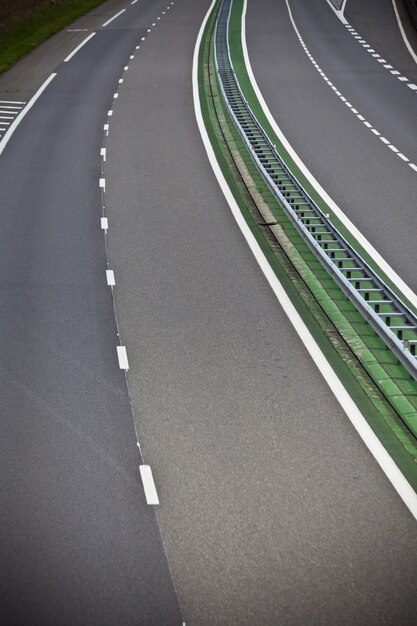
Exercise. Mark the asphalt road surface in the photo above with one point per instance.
(79, 544)
(373, 186)
(272, 510)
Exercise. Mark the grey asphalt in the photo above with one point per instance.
(372, 186)
(78, 543)
(272, 510)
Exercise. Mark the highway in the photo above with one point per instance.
(272, 510)
(325, 132)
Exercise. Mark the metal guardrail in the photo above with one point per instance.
(391, 319)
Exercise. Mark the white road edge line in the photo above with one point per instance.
(372, 442)
(113, 18)
(69, 57)
(148, 485)
(19, 118)
(402, 31)
(361, 239)
(122, 356)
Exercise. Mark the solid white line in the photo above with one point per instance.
(12, 101)
(373, 253)
(387, 464)
(113, 18)
(110, 278)
(6, 117)
(122, 356)
(338, 12)
(19, 118)
(14, 108)
(402, 31)
(148, 485)
(78, 47)
(104, 223)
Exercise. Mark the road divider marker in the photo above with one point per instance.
(113, 18)
(148, 485)
(102, 184)
(103, 153)
(104, 223)
(110, 278)
(69, 57)
(122, 356)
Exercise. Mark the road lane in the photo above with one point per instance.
(374, 187)
(272, 510)
(79, 544)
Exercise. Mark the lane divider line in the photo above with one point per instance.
(385, 461)
(69, 57)
(148, 483)
(113, 18)
(110, 278)
(122, 356)
(19, 118)
(354, 231)
(104, 223)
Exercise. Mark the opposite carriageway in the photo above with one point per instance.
(393, 321)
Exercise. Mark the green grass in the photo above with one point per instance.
(317, 310)
(23, 34)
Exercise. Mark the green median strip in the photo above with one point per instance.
(28, 26)
(382, 389)
(236, 52)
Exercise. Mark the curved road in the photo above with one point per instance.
(272, 510)
(372, 185)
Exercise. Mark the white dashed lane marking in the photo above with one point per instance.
(377, 56)
(360, 117)
(9, 110)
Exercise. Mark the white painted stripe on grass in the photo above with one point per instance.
(23, 112)
(110, 278)
(113, 18)
(122, 356)
(69, 57)
(361, 239)
(403, 33)
(148, 482)
(387, 464)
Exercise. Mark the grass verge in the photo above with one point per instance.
(384, 394)
(24, 33)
